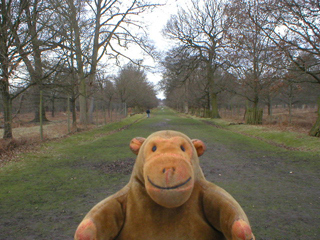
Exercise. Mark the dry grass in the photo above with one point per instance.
(302, 120)
(27, 133)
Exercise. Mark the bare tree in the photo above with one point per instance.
(10, 23)
(294, 28)
(106, 93)
(179, 71)
(63, 84)
(109, 25)
(8, 61)
(133, 88)
(251, 55)
(201, 28)
(32, 40)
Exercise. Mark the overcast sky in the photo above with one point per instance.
(157, 20)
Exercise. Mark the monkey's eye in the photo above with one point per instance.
(154, 148)
(182, 148)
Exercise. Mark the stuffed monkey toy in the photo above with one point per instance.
(167, 197)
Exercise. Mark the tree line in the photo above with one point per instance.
(248, 52)
(64, 49)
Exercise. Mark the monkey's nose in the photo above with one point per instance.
(169, 169)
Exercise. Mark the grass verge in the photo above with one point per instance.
(289, 140)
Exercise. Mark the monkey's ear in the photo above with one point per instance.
(200, 146)
(136, 143)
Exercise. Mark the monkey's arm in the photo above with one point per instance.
(105, 220)
(225, 214)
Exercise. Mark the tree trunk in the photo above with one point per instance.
(7, 114)
(40, 115)
(36, 104)
(186, 96)
(290, 101)
(214, 112)
(269, 105)
(315, 131)
(91, 110)
(52, 106)
(36, 72)
(254, 115)
(185, 107)
(290, 112)
(83, 101)
(6, 98)
(80, 71)
(269, 109)
(74, 113)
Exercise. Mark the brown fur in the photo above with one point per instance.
(167, 197)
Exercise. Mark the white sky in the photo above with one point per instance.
(156, 21)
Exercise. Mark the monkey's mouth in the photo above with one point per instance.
(169, 188)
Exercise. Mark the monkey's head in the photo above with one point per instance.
(168, 165)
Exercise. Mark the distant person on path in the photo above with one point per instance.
(148, 112)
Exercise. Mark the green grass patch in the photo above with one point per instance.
(298, 141)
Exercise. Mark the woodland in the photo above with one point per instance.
(226, 54)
